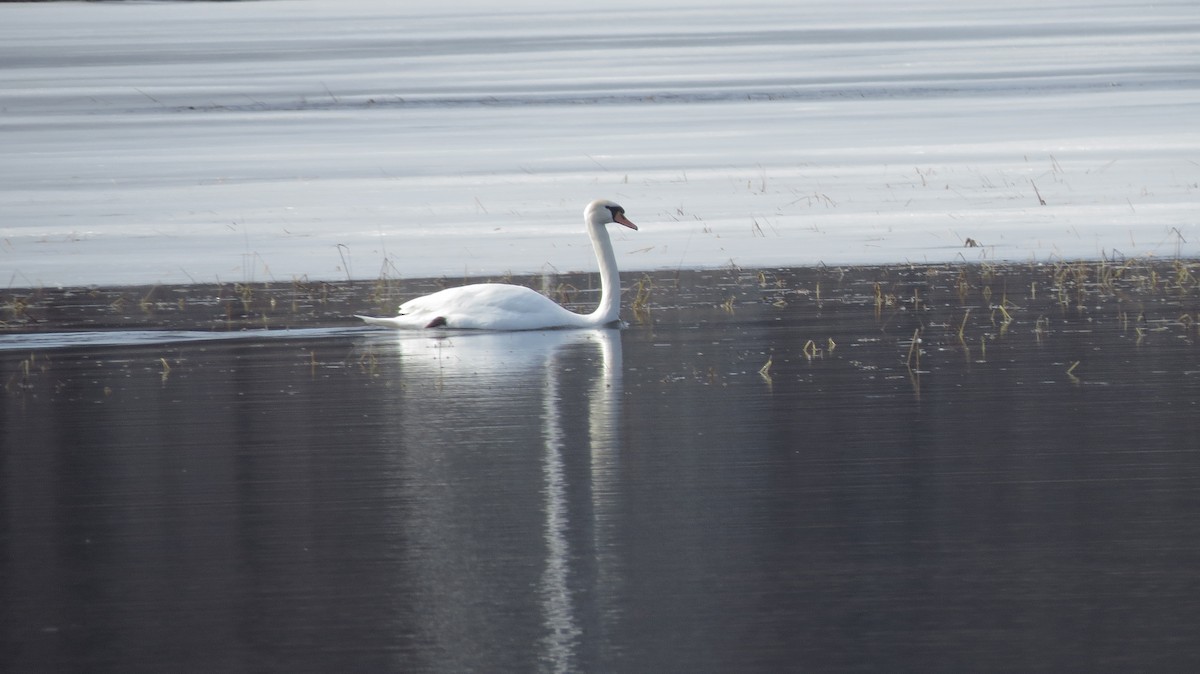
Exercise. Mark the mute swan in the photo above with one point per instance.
(501, 306)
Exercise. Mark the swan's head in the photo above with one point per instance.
(603, 211)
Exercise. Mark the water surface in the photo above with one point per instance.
(761, 472)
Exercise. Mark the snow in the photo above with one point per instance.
(197, 142)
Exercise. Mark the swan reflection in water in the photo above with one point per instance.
(484, 418)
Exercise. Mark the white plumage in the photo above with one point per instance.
(501, 306)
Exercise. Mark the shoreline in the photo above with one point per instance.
(303, 304)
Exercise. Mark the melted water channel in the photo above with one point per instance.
(1018, 490)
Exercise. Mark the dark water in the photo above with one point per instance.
(1019, 491)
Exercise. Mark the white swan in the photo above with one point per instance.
(501, 306)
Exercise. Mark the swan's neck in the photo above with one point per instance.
(610, 281)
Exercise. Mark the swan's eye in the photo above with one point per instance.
(615, 210)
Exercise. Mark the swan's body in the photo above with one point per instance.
(500, 306)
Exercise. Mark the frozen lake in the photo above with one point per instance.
(978, 458)
(267, 141)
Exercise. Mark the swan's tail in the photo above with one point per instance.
(390, 322)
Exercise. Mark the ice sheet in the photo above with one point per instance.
(196, 142)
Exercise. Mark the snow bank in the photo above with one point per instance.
(172, 143)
